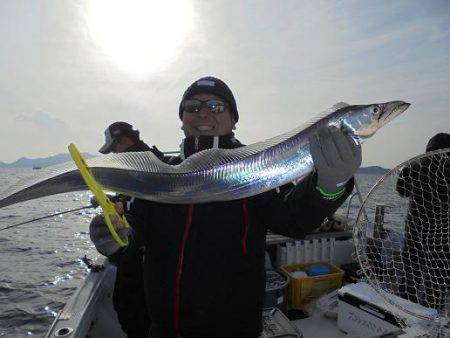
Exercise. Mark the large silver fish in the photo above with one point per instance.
(214, 174)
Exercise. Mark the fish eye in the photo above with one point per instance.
(376, 110)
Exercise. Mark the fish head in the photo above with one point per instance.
(363, 121)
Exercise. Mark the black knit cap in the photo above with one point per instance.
(211, 85)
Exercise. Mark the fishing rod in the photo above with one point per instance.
(94, 204)
(47, 216)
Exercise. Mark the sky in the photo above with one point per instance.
(70, 68)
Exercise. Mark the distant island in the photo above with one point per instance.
(37, 163)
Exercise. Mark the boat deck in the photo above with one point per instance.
(319, 326)
(90, 312)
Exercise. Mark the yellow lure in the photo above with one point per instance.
(109, 211)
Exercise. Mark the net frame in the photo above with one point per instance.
(437, 322)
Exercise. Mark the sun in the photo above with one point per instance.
(140, 36)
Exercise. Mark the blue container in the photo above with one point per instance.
(318, 270)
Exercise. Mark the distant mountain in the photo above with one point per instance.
(375, 170)
(41, 162)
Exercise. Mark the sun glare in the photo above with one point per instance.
(141, 36)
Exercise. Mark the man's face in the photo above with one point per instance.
(204, 122)
(121, 144)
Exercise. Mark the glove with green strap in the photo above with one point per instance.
(336, 158)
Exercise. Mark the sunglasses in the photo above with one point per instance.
(194, 106)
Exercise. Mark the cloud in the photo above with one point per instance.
(41, 119)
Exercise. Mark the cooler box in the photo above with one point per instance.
(302, 290)
(364, 312)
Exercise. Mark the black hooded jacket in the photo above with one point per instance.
(204, 263)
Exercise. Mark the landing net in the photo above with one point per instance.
(402, 239)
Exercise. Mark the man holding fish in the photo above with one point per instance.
(204, 263)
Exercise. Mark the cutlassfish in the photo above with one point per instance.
(214, 174)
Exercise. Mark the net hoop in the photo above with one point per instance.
(441, 318)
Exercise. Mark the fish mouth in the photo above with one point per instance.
(391, 110)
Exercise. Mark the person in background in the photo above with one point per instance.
(204, 263)
(120, 137)
(426, 253)
(129, 297)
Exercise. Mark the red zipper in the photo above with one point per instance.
(246, 226)
(177, 286)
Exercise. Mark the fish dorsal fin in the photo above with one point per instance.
(338, 106)
(323, 114)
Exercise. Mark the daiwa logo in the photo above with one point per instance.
(362, 322)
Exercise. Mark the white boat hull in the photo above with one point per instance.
(90, 311)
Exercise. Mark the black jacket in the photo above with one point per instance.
(204, 263)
